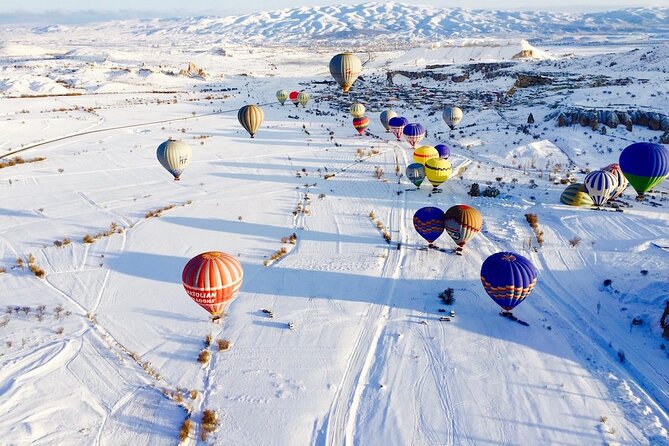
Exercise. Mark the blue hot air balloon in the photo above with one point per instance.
(416, 173)
(444, 151)
(429, 223)
(601, 185)
(414, 133)
(645, 165)
(508, 278)
(397, 125)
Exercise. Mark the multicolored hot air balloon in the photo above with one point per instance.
(416, 173)
(600, 185)
(345, 69)
(357, 110)
(360, 124)
(424, 153)
(437, 170)
(174, 156)
(620, 176)
(452, 116)
(281, 96)
(385, 118)
(212, 280)
(303, 98)
(576, 195)
(429, 223)
(508, 278)
(397, 124)
(293, 97)
(462, 223)
(413, 133)
(444, 151)
(645, 165)
(250, 117)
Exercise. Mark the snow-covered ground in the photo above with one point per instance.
(113, 356)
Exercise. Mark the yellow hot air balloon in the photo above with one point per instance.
(345, 68)
(250, 117)
(281, 96)
(424, 153)
(174, 156)
(437, 170)
(303, 98)
(358, 110)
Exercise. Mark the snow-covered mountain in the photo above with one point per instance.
(391, 22)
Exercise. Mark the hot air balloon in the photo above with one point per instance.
(416, 173)
(452, 116)
(385, 118)
(444, 151)
(282, 95)
(212, 280)
(424, 153)
(293, 97)
(576, 195)
(620, 177)
(397, 125)
(462, 223)
(303, 98)
(174, 156)
(437, 170)
(250, 117)
(645, 165)
(508, 278)
(429, 223)
(360, 124)
(345, 68)
(357, 110)
(600, 185)
(413, 133)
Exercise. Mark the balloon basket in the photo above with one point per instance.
(217, 319)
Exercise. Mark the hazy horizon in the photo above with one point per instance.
(78, 11)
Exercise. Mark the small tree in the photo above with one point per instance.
(474, 190)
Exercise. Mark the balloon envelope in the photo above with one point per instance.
(437, 170)
(212, 280)
(462, 222)
(282, 95)
(385, 117)
(444, 151)
(424, 153)
(452, 116)
(345, 69)
(397, 125)
(429, 223)
(414, 133)
(293, 97)
(360, 124)
(600, 186)
(508, 278)
(357, 110)
(620, 177)
(416, 173)
(645, 165)
(174, 156)
(250, 117)
(303, 98)
(576, 195)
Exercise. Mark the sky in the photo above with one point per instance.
(73, 11)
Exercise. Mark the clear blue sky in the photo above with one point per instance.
(84, 10)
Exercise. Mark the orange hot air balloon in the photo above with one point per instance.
(360, 124)
(293, 97)
(212, 279)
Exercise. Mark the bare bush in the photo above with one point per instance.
(186, 428)
(209, 423)
(378, 172)
(224, 345)
(575, 241)
(203, 357)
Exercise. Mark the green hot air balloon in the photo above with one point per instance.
(282, 96)
(345, 68)
(645, 165)
(250, 117)
(576, 195)
(174, 156)
(303, 98)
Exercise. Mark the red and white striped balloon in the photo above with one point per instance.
(212, 279)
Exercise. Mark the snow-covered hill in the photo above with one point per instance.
(387, 22)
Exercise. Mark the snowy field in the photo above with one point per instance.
(111, 358)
